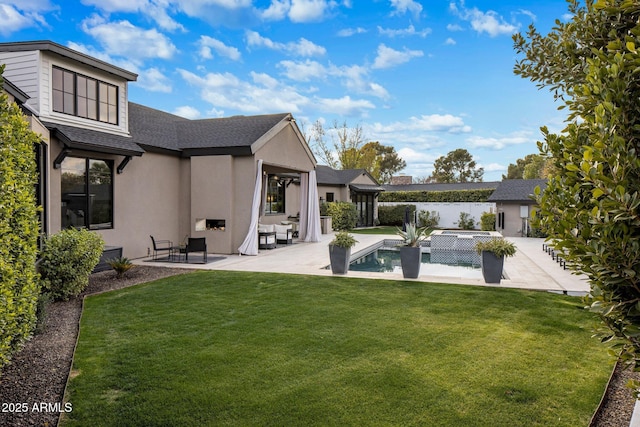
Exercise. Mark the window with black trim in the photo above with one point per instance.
(275, 195)
(87, 193)
(84, 96)
(330, 197)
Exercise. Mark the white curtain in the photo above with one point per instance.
(313, 230)
(250, 244)
(304, 206)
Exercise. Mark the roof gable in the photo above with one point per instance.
(516, 190)
(326, 175)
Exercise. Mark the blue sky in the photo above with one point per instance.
(426, 77)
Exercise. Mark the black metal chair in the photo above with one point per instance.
(161, 246)
(196, 244)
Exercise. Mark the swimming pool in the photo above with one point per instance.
(444, 263)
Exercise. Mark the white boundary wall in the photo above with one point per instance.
(450, 212)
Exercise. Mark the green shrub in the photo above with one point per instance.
(428, 219)
(19, 228)
(343, 215)
(466, 221)
(343, 239)
(68, 258)
(394, 215)
(499, 246)
(450, 196)
(488, 221)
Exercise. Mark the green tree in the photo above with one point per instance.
(348, 151)
(457, 166)
(590, 207)
(381, 161)
(19, 227)
(532, 166)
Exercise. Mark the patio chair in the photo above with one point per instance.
(196, 244)
(161, 246)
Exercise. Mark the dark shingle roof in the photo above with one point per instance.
(444, 186)
(232, 135)
(91, 140)
(329, 176)
(228, 132)
(516, 190)
(153, 128)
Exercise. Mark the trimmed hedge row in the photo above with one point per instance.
(394, 215)
(450, 196)
(19, 228)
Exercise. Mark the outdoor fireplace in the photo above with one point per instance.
(205, 224)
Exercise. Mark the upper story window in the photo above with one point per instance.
(84, 96)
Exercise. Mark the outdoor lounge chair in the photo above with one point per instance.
(196, 244)
(161, 246)
(284, 233)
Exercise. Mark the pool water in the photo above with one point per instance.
(461, 264)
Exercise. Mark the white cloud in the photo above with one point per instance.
(354, 78)
(454, 27)
(12, 20)
(409, 31)
(187, 112)
(308, 10)
(528, 13)
(153, 80)
(16, 15)
(265, 93)
(500, 142)
(207, 43)
(155, 9)
(345, 106)
(450, 42)
(277, 10)
(483, 22)
(302, 47)
(122, 38)
(403, 6)
(493, 167)
(388, 57)
(348, 32)
(434, 123)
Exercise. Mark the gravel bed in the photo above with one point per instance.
(38, 373)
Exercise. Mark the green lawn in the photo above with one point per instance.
(232, 348)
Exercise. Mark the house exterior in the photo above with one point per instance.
(515, 205)
(351, 185)
(129, 171)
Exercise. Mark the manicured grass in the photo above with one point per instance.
(233, 348)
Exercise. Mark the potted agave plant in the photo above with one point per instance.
(410, 251)
(340, 252)
(493, 253)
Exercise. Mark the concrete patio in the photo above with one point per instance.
(531, 267)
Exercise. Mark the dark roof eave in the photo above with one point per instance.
(217, 151)
(75, 145)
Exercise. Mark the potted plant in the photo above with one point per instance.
(492, 254)
(410, 251)
(340, 252)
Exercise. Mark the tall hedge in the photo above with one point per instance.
(344, 215)
(450, 196)
(394, 215)
(19, 228)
